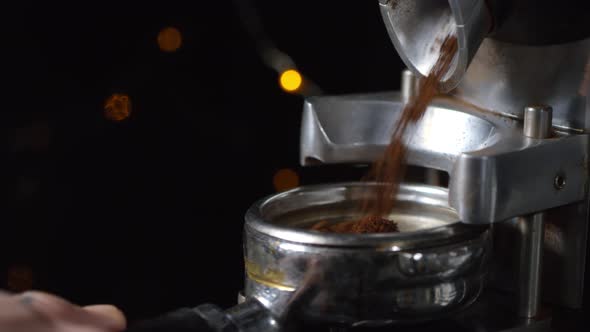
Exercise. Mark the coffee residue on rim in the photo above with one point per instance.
(389, 169)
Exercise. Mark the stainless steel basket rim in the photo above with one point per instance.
(452, 233)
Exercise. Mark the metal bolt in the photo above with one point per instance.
(537, 124)
(410, 86)
(559, 182)
(537, 121)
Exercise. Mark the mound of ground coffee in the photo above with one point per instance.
(370, 224)
(374, 224)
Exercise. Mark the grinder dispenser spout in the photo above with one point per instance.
(417, 29)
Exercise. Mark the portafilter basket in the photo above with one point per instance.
(433, 267)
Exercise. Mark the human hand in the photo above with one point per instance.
(41, 312)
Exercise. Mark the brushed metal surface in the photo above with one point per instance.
(424, 272)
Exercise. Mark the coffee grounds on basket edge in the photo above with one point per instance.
(389, 169)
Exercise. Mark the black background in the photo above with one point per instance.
(147, 213)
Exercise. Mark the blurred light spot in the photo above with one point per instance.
(291, 80)
(19, 278)
(117, 107)
(169, 39)
(285, 179)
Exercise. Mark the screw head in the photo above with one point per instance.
(559, 181)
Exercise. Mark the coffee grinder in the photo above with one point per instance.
(502, 248)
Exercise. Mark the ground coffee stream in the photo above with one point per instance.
(390, 168)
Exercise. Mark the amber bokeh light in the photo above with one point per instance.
(169, 39)
(117, 107)
(291, 80)
(285, 179)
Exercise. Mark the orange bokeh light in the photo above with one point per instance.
(291, 80)
(169, 39)
(285, 179)
(117, 107)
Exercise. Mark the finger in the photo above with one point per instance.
(72, 327)
(17, 315)
(44, 302)
(109, 312)
(59, 310)
(17, 318)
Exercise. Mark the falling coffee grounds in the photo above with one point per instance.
(389, 169)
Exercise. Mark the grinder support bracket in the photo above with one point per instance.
(496, 173)
(519, 176)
